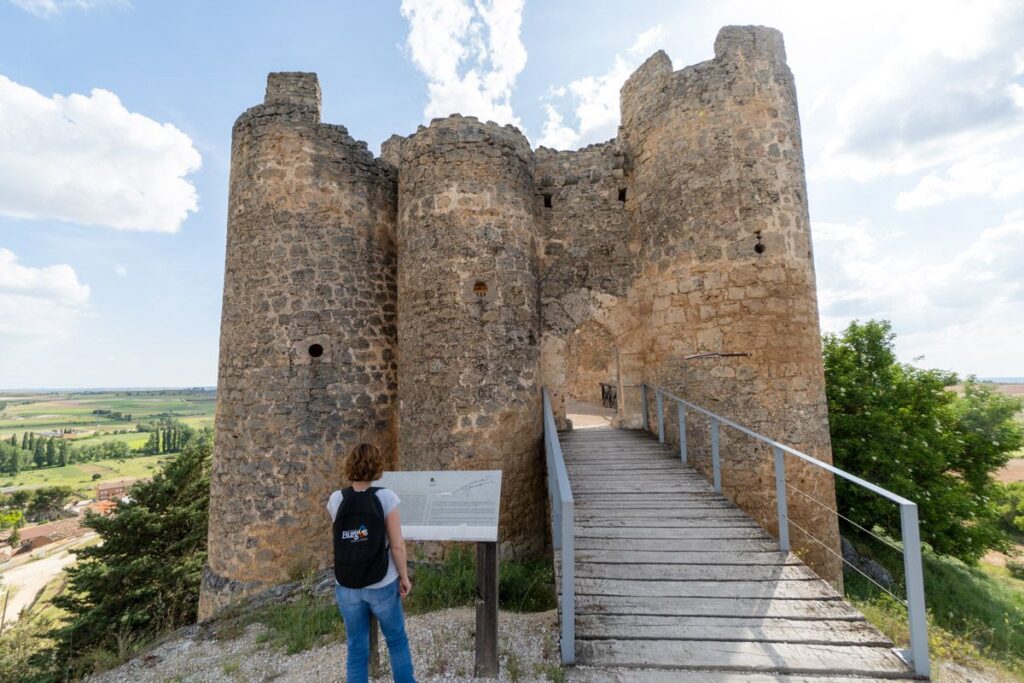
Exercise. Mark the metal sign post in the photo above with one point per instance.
(457, 505)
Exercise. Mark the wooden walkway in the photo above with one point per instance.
(674, 579)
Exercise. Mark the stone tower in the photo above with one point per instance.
(421, 300)
(468, 318)
(307, 349)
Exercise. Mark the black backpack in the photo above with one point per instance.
(360, 539)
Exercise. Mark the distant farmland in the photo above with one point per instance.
(91, 418)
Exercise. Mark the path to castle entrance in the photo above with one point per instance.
(674, 579)
(587, 415)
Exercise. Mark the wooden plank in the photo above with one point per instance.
(592, 675)
(731, 520)
(732, 545)
(684, 557)
(671, 534)
(743, 656)
(613, 503)
(633, 477)
(652, 516)
(720, 607)
(694, 572)
(640, 496)
(640, 488)
(777, 590)
(653, 627)
(486, 610)
(637, 499)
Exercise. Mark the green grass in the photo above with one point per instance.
(79, 475)
(526, 586)
(974, 613)
(133, 439)
(293, 627)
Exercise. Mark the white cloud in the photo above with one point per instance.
(121, 271)
(942, 100)
(595, 99)
(555, 133)
(51, 8)
(38, 302)
(988, 173)
(90, 160)
(964, 313)
(471, 54)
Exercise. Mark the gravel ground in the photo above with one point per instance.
(441, 642)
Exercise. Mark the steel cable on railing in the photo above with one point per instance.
(842, 516)
(847, 562)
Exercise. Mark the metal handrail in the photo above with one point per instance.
(917, 655)
(562, 522)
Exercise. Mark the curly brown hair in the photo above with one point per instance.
(364, 463)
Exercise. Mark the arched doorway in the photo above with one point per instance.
(593, 382)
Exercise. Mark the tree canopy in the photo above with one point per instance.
(144, 577)
(902, 428)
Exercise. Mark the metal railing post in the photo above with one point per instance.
(682, 431)
(661, 415)
(915, 589)
(568, 587)
(643, 399)
(780, 499)
(716, 465)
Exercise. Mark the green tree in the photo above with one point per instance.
(144, 577)
(63, 455)
(39, 453)
(47, 503)
(898, 426)
(51, 452)
(24, 441)
(152, 446)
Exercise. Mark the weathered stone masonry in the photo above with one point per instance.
(421, 300)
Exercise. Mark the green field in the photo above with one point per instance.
(55, 411)
(80, 475)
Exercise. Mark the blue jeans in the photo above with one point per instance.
(355, 605)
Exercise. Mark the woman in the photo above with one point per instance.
(382, 596)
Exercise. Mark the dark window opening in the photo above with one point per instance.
(622, 195)
(547, 201)
(480, 289)
(316, 350)
(759, 247)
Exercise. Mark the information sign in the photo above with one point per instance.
(447, 505)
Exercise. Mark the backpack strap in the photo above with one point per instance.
(376, 500)
(346, 497)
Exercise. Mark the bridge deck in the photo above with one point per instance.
(671, 576)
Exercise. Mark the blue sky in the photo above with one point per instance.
(115, 121)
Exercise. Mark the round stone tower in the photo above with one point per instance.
(307, 349)
(468, 317)
(721, 214)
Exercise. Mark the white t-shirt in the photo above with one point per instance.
(389, 500)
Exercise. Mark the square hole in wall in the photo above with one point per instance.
(547, 200)
(622, 195)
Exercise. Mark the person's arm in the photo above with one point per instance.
(394, 528)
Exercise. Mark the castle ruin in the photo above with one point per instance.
(420, 300)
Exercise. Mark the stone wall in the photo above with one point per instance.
(469, 324)
(588, 267)
(307, 349)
